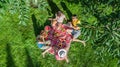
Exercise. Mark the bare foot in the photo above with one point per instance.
(84, 43)
(67, 60)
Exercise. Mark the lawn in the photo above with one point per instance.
(21, 21)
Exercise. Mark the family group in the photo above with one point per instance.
(56, 38)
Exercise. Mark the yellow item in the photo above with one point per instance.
(75, 22)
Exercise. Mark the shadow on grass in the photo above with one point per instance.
(53, 7)
(47, 22)
(98, 13)
(113, 17)
(49, 12)
(92, 1)
(36, 25)
(9, 58)
(73, 1)
(29, 61)
(66, 9)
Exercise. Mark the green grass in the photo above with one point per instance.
(18, 41)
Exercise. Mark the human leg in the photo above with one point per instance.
(76, 33)
(46, 51)
(77, 40)
(66, 59)
(45, 47)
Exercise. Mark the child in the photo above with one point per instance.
(74, 33)
(76, 30)
(41, 42)
(60, 17)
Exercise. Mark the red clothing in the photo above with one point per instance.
(58, 36)
(59, 39)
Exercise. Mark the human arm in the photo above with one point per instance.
(76, 28)
(68, 27)
(47, 50)
(65, 18)
(56, 16)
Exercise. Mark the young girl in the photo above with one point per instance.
(42, 44)
(60, 17)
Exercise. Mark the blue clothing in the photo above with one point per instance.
(40, 45)
(76, 33)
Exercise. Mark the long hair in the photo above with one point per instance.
(59, 13)
(39, 38)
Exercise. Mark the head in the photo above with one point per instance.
(62, 53)
(74, 17)
(39, 38)
(59, 13)
(42, 31)
(43, 34)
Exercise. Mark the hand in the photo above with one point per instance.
(50, 19)
(76, 28)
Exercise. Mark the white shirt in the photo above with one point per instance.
(60, 19)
